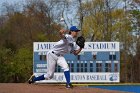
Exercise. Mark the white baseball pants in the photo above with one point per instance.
(52, 60)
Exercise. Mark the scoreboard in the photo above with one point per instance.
(97, 62)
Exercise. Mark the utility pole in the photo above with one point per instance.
(125, 52)
(81, 14)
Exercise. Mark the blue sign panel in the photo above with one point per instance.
(97, 62)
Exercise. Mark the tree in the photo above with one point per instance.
(136, 40)
(18, 31)
(5, 61)
(103, 21)
(21, 65)
(98, 27)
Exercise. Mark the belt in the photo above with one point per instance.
(56, 53)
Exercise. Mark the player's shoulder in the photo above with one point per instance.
(69, 37)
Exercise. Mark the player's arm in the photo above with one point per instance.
(80, 43)
(77, 49)
(76, 52)
(62, 33)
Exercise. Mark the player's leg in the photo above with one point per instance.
(62, 63)
(51, 62)
(33, 78)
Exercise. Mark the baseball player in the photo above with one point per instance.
(56, 55)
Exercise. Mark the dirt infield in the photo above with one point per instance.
(47, 88)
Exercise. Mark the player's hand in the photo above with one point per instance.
(80, 41)
(62, 31)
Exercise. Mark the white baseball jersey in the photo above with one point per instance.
(55, 56)
(65, 45)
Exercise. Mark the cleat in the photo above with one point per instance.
(69, 86)
(31, 80)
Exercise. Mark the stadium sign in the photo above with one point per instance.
(97, 62)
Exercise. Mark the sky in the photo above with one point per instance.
(10, 1)
(18, 2)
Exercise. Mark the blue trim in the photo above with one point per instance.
(67, 76)
(39, 78)
(125, 88)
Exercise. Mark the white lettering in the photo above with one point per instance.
(41, 70)
(42, 53)
(41, 65)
